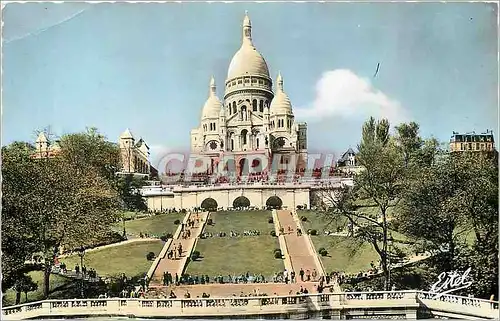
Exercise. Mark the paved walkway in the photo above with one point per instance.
(298, 249)
(177, 265)
(134, 240)
(228, 290)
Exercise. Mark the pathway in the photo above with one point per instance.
(177, 265)
(228, 290)
(299, 250)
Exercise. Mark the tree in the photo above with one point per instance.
(455, 198)
(129, 190)
(384, 159)
(24, 284)
(91, 150)
(53, 202)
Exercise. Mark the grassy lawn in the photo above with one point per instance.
(128, 258)
(236, 256)
(155, 225)
(240, 221)
(37, 276)
(345, 254)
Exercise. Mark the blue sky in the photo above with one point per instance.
(147, 66)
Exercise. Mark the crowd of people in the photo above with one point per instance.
(231, 234)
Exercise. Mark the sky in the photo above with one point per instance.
(147, 66)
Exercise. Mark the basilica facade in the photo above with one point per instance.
(253, 118)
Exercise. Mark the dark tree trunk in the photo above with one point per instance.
(46, 281)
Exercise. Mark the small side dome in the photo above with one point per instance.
(281, 104)
(212, 107)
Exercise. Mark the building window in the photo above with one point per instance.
(240, 81)
(254, 105)
(257, 141)
(232, 144)
(234, 107)
(477, 146)
(247, 81)
(469, 146)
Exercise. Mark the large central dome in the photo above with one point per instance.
(247, 61)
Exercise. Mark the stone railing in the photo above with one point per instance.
(461, 305)
(392, 303)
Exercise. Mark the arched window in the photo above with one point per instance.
(234, 107)
(261, 106)
(229, 108)
(215, 128)
(257, 141)
(254, 104)
(244, 133)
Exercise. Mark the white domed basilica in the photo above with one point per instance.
(252, 119)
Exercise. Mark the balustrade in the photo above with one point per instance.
(455, 304)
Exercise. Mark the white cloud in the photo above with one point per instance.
(342, 93)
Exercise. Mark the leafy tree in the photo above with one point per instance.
(53, 202)
(129, 190)
(385, 160)
(91, 150)
(24, 284)
(456, 199)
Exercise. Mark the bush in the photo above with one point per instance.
(299, 207)
(183, 211)
(313, 232)
(323, 252)
(150, 256)
(270, 220)
(165, 237)
(210, 222)
(195, 255)
(272, 233)
(278, 254)
(177, 222)
(303, 219)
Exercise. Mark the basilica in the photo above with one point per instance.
(253, 118)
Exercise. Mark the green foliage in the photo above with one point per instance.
(386, 173)
(177, 222)
(313, 232)
(150, 256)
(270, 220)
(303, 219)
(128, 187)
(64, 201)
(210, 221)
(278, 254)
(322, 251)
(195, 255)
(456, 195)
(272, 233)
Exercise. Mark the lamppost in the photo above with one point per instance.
(81, 253)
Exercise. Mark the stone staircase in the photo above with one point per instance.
(299, 250)
(177, 266)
